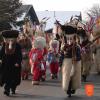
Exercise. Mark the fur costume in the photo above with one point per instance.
(71, 67)
(39, 42)
(54, 45)
(36, 55)
(86, 52)
(96, 31)
(87, 57)
(53, 58)
(11, 58)
(26, 45)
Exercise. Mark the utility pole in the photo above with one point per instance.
(54, 15)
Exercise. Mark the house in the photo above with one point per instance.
(4, 26)
(27, 11)
(49, 30)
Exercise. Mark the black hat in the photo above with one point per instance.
(10, 33)
(69, 29)
(81, 33)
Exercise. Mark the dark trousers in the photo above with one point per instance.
(69, 88)
(10, 86)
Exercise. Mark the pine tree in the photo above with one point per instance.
(94, 11)
(8, 10)
(8, 13)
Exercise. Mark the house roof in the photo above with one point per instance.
(49, 30)
(4, 26)
(25, 10)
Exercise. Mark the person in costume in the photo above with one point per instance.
(38, 67)
(10, 59)
(97, 56)
(86, 53)
(53, 58)
(71, 66)
(26, 45)
(43, 70)
(27, 28)
(96, 47)
(87, 57)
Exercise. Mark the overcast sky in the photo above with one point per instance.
(61, 5)
(61, 16)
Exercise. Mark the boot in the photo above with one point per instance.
(84, 78)
(42, 78)
(73, 91)
(98, 73)
(69, 89)
(13, 91)
(69, 93)
(56, 77)
(6, 90)
(52, 76)
(6, 93)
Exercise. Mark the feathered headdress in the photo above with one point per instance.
(81, 32)
(96, 28)
(90, 24)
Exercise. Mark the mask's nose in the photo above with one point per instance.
(10, 45)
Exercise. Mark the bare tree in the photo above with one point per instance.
(94, 11)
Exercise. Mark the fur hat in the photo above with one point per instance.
(54, 45)
(10, 33)
(82, 33)
(69, 29)
(39, 42)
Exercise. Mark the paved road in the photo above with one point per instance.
(51, 90)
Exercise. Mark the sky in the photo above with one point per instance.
(61, 16)
(62, 5)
